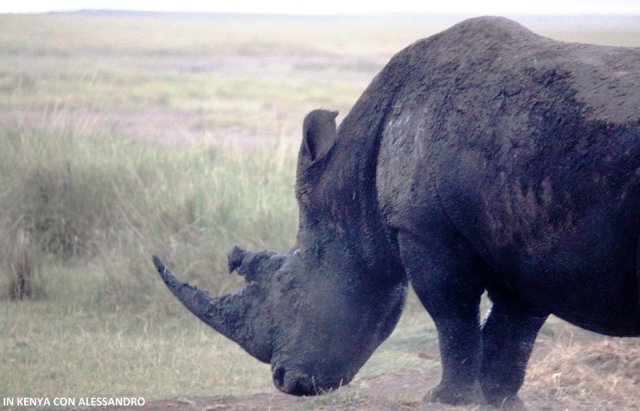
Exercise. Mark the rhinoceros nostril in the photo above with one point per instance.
(293, 383)
(303, 385)
(278, 377)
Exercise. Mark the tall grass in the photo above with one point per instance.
(76, 196)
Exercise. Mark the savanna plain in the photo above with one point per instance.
(127, 135)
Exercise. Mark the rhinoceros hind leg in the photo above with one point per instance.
(508, 336)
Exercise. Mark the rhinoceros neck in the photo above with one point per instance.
(350, 178)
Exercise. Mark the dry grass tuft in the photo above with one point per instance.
(24, 284)
(583, 375)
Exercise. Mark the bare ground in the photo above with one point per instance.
(571, 370)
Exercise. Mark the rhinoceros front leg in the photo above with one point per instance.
(508, 336)
(446, 276)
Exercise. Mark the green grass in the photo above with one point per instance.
(118, 352)
(123, 137)
(157, 352)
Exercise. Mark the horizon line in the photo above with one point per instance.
(319, 15)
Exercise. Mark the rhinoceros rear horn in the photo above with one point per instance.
(254, 265)
(235, 257)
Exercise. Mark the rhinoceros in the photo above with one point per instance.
(483, 158)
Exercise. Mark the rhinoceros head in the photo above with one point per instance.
(313, 313)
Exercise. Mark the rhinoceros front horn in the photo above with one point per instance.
(225, 314)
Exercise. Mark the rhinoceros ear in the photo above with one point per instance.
(318, 135)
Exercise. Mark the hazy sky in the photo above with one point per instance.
(338, 6)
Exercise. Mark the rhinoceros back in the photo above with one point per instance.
(530, 146)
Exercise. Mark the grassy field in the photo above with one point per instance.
(127, 136)
(123, 136)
